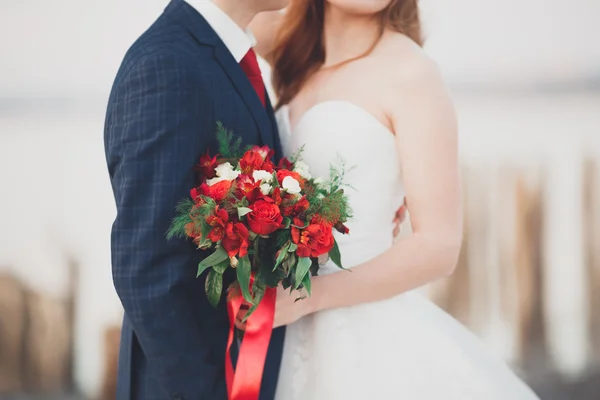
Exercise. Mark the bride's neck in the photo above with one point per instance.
(347, 36)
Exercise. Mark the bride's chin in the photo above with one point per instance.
(360, 7)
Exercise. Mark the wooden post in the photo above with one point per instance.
(591, 212)
(112, 337)
(12, 327)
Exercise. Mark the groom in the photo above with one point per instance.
(193, 67)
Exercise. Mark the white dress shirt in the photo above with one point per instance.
(236, 40)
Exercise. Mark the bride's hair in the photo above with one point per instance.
(299, 50)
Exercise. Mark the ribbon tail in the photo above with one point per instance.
(234, 303)
(244, 383)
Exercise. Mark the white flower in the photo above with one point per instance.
(265, 189)
(291, 185)
(226, 171)
(261, 175)
(213, 181)
(303, 169)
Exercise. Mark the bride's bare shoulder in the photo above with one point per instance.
(404, 62)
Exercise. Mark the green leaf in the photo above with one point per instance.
(335, 255)
(243, 275)
(243, 211)
(215, 258)
(293, 247)
(302, 269)
(306, 283)
(222, 266)
(177, 227)
(282, 255)
(286, 222)
(214, 287)
(259, 293)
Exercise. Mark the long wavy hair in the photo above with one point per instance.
(299, 49)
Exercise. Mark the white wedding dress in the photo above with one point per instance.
(405, 348)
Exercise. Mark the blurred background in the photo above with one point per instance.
(525, 75)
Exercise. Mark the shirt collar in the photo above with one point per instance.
(237, 41)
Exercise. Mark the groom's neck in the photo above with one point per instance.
(240, 11)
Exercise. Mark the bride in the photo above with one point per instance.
(352, 81)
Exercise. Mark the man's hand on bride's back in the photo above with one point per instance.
(399, 218)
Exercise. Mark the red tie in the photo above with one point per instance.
(250, 66)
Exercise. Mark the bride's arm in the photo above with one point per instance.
(264, 27)
(426, 131)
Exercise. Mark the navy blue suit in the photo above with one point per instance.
(174, 84)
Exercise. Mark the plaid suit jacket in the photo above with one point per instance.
(174, 84)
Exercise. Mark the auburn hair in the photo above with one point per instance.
(299, 49)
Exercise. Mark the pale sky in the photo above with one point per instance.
(73, 47)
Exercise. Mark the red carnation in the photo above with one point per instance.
(235, 241)
(314, 240)
(265, 217)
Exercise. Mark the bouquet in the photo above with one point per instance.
(270, 223)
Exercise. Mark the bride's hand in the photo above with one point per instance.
(288, 309)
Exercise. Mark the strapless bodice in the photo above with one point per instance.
(339, 132)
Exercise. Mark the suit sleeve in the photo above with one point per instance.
(158, 124)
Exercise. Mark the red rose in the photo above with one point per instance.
(265, 217)
(247, 187)
(296, 209)
(206, 167)
(217, 192)
(235, 241)
(217, 221)
(284, 173)
(314, 240)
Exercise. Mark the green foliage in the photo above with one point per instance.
(283, 253)
(182, 218)
(229, 147)
(258, 290)
(302, 270)
(217, 257)
(214, 287)
(335, 255)
(297, 156)
(243, 270)
(307, 283)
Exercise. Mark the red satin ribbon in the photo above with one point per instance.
(244, 382)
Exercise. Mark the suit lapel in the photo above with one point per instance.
(246, 91)
(276, 139)
(203, 33)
